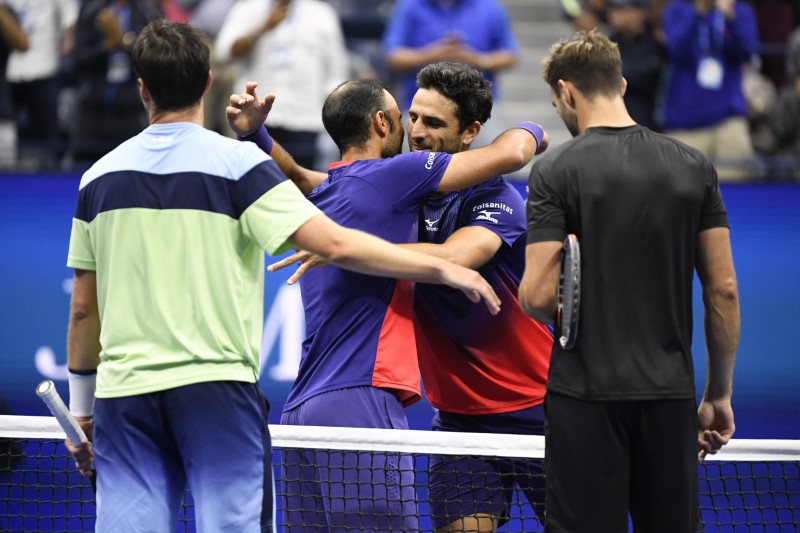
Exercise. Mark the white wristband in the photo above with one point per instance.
(81, 393)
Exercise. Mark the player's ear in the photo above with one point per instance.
(566, 91)
(624, 86)
(209, 81)
(380, 123)
(144, 94)
(469, 134)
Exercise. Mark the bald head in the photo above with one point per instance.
(348, 111)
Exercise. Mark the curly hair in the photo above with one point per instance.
(463, 85)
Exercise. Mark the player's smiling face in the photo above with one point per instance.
(433, 124)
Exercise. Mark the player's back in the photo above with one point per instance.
(180, 285)
(359, 329)
(637, 201)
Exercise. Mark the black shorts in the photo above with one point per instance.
(604, 459)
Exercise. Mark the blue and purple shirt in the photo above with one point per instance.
(473, 362)
(359, 327)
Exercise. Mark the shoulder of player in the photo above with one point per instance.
(558, 155)
(497, 193)
(683, 151)
(497, 186)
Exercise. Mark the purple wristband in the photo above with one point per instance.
(534, 129)
(261, 138)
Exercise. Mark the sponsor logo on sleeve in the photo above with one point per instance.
(488, 210)
(429, 163)
(488, 215)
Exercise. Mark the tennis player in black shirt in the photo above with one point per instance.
(622, 431)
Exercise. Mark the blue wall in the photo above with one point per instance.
(35, 218)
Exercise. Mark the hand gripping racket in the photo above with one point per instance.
(46, 390)
(569, 293)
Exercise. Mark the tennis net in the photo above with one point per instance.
(751, 485)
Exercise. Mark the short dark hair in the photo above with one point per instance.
(462, 84)
(347, 112)
(172, 59)
(589, 59)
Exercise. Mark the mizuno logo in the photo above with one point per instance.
(430, 225)
(487, 215)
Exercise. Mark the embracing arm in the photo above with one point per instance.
(470, 246)
(361, 252)
(538, 290)
(246, 115)
(305, 179)
(509, 152)
(721, 301)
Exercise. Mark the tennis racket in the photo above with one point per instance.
(46, 390)
(569, 292)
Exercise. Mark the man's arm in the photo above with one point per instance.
(721, 301)
(509, 152)
(361, 252)
(470, 246)
(449, 49)
(83, 334)
(83, 358)
(403, 59)
(246, 115)
(538, 290)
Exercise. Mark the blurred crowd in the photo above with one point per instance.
(720, 75)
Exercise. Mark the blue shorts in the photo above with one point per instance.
(465, 486)
(338, 491)
(212, 437)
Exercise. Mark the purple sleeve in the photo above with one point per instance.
(408, 180)
(497, 206)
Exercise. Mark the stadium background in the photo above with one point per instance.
(35, 219)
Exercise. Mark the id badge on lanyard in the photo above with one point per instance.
(710, 71)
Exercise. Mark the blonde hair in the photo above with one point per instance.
(589, 60)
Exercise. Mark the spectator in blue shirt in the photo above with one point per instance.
(420, 32)
(708, 44)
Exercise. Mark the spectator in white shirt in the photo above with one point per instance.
(294, 48)
(33, 75)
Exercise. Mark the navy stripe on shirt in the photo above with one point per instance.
(127, 189)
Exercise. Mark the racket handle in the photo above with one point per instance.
(46, 390)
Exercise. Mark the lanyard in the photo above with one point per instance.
(712, 34)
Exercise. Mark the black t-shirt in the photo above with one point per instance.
(637, 201)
